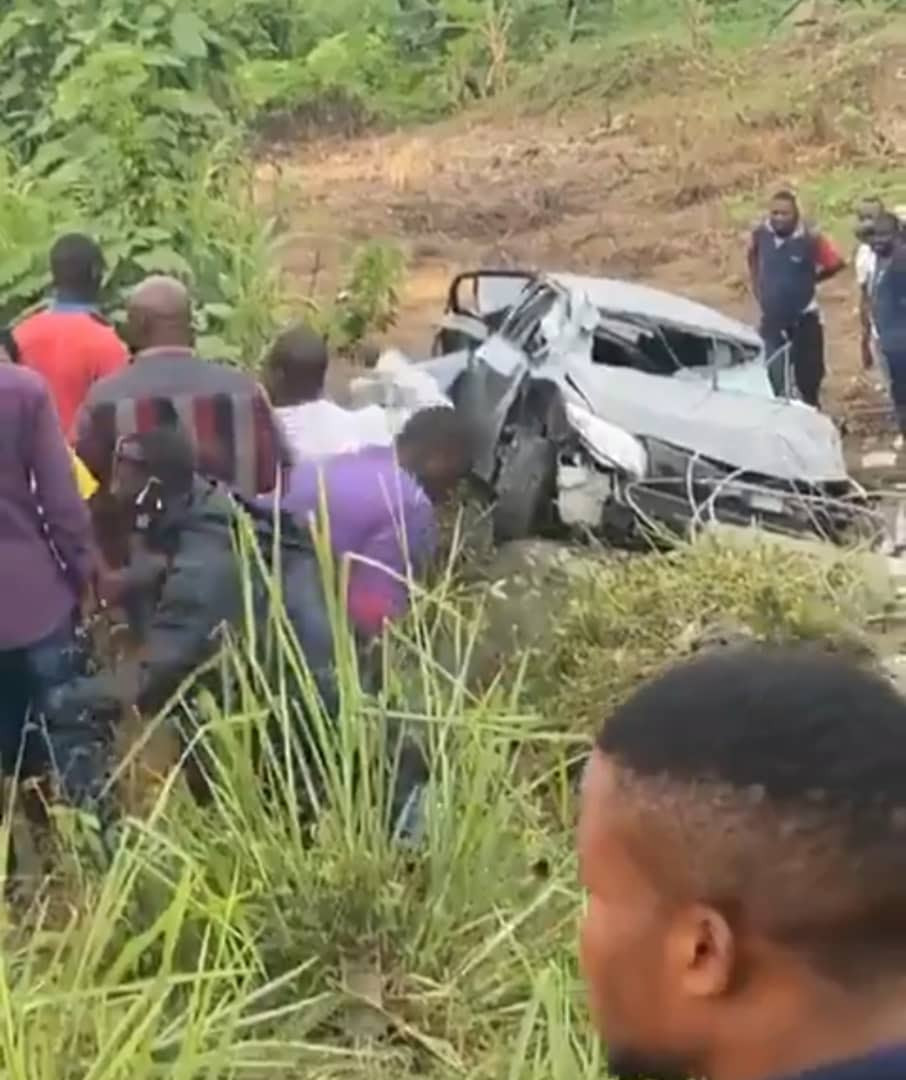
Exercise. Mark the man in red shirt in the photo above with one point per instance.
(68, 342)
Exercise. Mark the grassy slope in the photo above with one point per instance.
(229, 941)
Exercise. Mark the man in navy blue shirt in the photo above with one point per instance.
(787, 261)
(742, 841)
(887, 288)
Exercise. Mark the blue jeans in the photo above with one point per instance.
(27, 676)
(73, 749)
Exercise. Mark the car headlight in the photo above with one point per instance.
(608, 444)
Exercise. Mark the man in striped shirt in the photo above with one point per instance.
(222, 409)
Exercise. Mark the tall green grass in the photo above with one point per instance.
(251, 937)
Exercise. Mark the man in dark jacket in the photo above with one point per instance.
(741, 844)
(189, 585)
(787, 260)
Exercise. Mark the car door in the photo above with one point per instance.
(477, 304)
(496, 372)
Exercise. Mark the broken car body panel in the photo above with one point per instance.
(618, 379)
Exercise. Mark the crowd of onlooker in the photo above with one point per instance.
(125, 469)
(788, 259)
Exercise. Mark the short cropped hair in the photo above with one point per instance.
(439, 430)
(785, 195)
(777, 778)
(77, 266)
(300, 355)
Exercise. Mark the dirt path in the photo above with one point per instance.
(641, 194)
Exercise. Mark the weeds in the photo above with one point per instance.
(244, 936)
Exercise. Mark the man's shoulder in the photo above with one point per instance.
(225, 377)
(26, 383)
(32, 324)
(110, 387)
(97, 327)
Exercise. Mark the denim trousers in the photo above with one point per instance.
(27, 676)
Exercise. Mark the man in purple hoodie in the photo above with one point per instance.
(45, 557)
(379, 509)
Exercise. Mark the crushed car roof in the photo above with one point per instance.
(618, 297)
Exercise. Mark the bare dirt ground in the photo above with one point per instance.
(646, 193)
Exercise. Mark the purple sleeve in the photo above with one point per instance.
(65, 513)
(378, 576)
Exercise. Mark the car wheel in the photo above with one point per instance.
(524, 487)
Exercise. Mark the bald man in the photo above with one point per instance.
(221, 408)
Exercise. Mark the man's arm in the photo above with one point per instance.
(201, 594)
(65, 513)
(112, 357)
(828, 259)
(95, 438)
(752, 262)
(868, 358)
(271, 451)
(379, 575)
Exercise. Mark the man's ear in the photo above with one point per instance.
(702, 951)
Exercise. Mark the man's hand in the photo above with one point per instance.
(104, 692)
(868, 355)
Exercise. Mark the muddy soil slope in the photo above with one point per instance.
(660, 186)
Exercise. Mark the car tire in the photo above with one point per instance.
(524, 487)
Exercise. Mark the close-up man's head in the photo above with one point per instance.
(784, 213)
(162, 457)
(742, 841)
(296, 366)
(886, 232)
(77, 268)
(866, 214)
(159, 314)
(436, 448)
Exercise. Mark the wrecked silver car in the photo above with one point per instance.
(621, 410)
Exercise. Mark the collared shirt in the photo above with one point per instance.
(45, 530)
(222, 409)
(866, 261)
(319, 429)
(378, 517)
(72, 347)
(886, 1064)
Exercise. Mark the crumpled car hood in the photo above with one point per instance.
(772, 437)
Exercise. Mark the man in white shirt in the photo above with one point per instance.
(312, 426)
(865, 263)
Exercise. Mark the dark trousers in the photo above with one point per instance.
(805, 339)
(27, 677)
(73, 750)
(896, 367)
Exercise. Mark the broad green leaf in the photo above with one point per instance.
(186, 102)
(188, 33)
(64, 59)
(164, 260)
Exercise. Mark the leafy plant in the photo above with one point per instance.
(369, 298)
